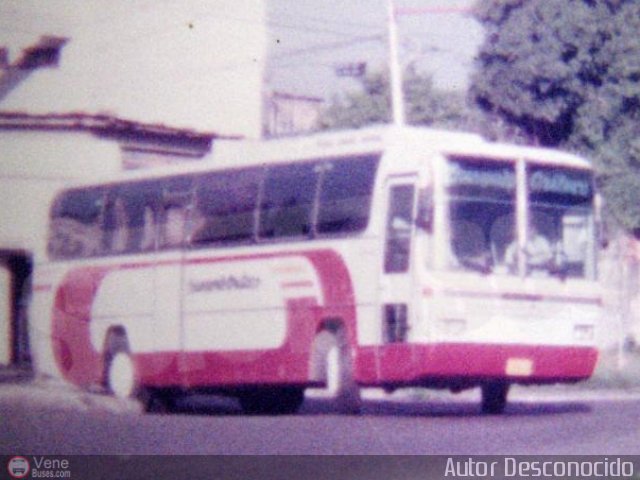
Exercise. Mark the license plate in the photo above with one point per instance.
(519, 367)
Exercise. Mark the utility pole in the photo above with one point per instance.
(395, 71)
(395, 67)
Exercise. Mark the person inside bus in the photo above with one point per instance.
(537, 251)
(470, 247)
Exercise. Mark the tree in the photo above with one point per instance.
(372, 104)
(566, 73)
(368, 106)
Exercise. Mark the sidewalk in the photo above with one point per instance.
(56, 395)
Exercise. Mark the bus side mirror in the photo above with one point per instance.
(424, 219)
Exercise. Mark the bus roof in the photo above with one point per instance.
(243, 153)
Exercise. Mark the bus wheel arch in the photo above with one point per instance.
(332, 363)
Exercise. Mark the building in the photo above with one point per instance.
(38, 154)
(287, 114)
(196, 65)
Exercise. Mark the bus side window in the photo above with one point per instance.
(148, 232)
(175, 220)
(176, 201)
(225, 207)
(345, 196)
(74, 230)
(129, 219)
(142, 201)
(117, 236)
(287, 204)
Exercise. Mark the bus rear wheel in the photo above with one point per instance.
(494, 397)
(272, 401)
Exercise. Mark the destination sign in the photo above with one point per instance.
(485, 176)
(561, 182)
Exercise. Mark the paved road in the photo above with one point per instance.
(437, 426)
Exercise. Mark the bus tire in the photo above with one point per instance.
(494, 397)
(121, 377)
(119, 369)
(332, 363)
(272, 401)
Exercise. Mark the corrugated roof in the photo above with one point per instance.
(106, 125)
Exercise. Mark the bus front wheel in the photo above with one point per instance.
(494, 397)
(121, 379)
(333, 364)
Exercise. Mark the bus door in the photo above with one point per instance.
(144, 294)
(396, 281)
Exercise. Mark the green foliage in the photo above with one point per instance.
(371, 104)
(428, 106)
(566, 73)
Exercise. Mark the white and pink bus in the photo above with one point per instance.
(385, 257)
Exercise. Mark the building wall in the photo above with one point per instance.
(35, 163)
(291, 114)
(194, 64)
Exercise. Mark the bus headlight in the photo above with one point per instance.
(583, 332)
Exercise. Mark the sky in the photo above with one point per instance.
(439, 37)
(185, 63)
(200, 63)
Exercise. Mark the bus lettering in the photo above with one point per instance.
(229, 282)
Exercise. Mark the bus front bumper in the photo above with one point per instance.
(462, 365)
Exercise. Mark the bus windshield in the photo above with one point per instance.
(557, 237)
(560, 236)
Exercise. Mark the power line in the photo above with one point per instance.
(334, 21)
(311, 29)
(329, 46)
(162, 31)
